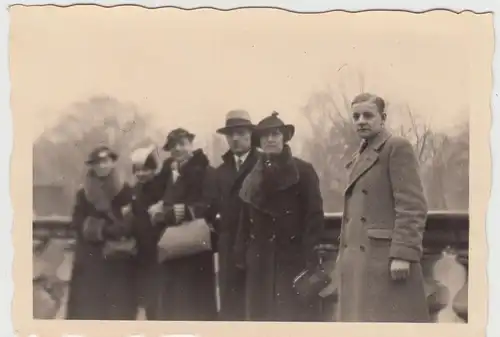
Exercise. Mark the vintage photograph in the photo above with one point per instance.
(253, 165)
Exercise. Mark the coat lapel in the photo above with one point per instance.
(236, 176)
(361, 164)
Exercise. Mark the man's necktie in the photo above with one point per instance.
(239, 162)
(363, 146)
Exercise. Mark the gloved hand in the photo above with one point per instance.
(93, 229)
(157, 212)
(179, 212)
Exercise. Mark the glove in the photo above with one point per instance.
(157, 213)
(93, 229)
(179, 212)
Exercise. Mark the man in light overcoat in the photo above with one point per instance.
(380, 276)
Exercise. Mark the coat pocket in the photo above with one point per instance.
(379, 233)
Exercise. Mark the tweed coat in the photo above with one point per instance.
(279, 228)
(231, 280)
(384, 218)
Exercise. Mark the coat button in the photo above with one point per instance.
(363, 219)
(364, 191)
(362, 248)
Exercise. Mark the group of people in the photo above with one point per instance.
(266, 209)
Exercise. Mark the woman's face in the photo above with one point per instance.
(272, 141)
(143, 174)
(182, 150)
(103, 167)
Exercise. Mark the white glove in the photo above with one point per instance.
(179, 212)
(156, 208)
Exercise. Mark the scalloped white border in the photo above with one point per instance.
(493, 231)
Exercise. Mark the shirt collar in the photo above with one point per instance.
(242, 157)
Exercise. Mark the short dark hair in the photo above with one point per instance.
(367, 97)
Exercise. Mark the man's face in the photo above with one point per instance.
(272, 141)
(182, 149)
(239, 140)
(103, 167)
(367, 119)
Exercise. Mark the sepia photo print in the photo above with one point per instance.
(253, 165)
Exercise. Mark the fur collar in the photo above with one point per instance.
(198, 162)
(101, 192)
(190, 179)
(252, 190)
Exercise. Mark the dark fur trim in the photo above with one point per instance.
(287, 175)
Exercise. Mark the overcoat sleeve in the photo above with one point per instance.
(313, 214)
(79, 213)
(208, 195)
(409, 202)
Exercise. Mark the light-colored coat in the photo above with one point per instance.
(384, 218)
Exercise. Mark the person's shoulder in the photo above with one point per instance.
(303, 166)
(397, 142)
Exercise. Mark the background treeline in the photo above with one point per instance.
(59, 153)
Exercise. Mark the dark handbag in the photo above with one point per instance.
(124, 247)
(117, 249)
(309, 283)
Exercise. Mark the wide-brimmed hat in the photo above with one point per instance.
(235, 119)
(100, 153)
(274, 122)
(176, 135)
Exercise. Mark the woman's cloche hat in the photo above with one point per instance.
(100, 153)
(175, 136)
(274, 122)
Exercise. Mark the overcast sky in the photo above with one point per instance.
(189, 67)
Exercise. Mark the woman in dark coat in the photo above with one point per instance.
(280, 226)
(101, 287)
(147, 191)
(188, 283)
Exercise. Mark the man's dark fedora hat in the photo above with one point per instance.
(235, 119)
(176, 135)
(100, 153)
(274, 122)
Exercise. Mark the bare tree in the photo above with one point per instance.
(59, 153)
(334, 140)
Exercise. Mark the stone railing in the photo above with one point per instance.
(445, 262)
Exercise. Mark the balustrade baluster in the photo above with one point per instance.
(460, 302)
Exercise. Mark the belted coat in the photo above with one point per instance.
(384, 219)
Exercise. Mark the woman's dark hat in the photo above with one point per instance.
(236, 118)
(100, 153)
(274, 122)
(176, 135)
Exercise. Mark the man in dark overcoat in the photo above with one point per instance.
(281, 224)
(380, 276)
(237, 163)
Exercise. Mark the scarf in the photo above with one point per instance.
(100, 192)
(270, 173)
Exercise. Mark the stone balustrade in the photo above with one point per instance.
(445, 261)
